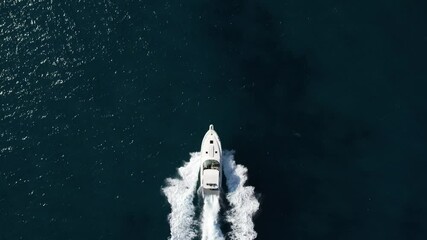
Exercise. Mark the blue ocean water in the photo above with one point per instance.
(324, 103)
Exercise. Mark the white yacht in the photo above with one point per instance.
(210, 167)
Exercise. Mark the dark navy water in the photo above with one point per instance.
(323, 101)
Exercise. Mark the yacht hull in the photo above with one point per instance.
(210, 167)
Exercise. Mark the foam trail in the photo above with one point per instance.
(210, 227)
(180, 194)
(241, 198)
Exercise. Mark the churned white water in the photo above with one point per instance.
(180, 194)
(242, 199)
(210, 226)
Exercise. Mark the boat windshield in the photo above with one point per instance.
(211, 164)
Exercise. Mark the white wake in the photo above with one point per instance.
(242, 199)
(180, 194)
(210, 226)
